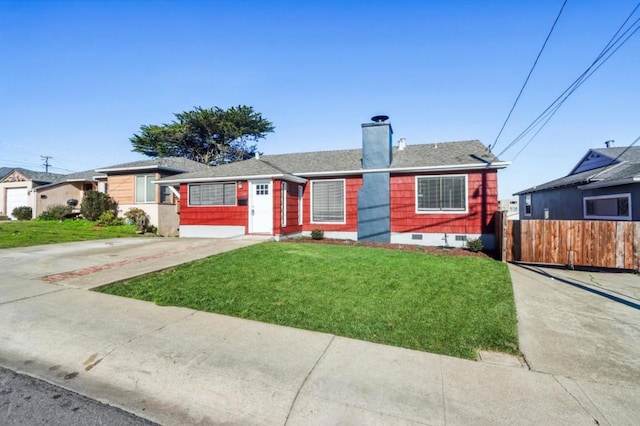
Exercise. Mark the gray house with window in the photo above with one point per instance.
(604, 185)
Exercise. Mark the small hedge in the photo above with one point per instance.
(22, 213)
(55, 212)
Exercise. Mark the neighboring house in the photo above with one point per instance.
(68, 189)
(16, 188)
(433, 194)
(132, 185)
(604, 185)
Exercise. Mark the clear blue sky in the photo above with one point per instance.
(79, 78)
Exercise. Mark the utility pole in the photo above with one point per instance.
(46, 164)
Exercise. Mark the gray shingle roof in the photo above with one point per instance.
(308, 163)
(167, 163)
(627, 166)
(39, 177)
(4, 171)
(85, 176)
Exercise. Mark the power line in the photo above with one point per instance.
(613, 43)
(529, 75)
(551, 113)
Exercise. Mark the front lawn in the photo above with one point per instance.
(35, 232)
(445, 305)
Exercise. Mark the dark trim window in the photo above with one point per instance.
(328, 201)
(611, 207)
(145, 189)
(212, 194)
(527, 204)
(441, 194)
(283, 201)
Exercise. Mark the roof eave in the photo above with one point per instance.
(138, 168)
(285, 176)
(450, 167)
(609, 183)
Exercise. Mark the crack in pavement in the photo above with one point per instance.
(304, 382)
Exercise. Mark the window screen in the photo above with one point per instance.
(442, 193)
(212, 194)
(327, 203)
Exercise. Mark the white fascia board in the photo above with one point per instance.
(175, 191)
(284, 176)
(458, 167)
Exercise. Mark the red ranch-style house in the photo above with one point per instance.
(428, 194)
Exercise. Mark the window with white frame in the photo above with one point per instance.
(283, 200)
(527, 205)
(300, 198)
(145, 189)
(212, 194)
(328, 201)
(447, 193)
(612, 207)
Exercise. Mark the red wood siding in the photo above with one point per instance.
(482, 204)
(215, 215)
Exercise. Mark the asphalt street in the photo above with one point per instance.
(25, 400)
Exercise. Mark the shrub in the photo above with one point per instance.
(138, 217)
(109, 218)
(317, 234)
(94, 204)
(55, 212)
(22, 213)
(475, 245)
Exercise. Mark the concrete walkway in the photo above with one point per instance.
(178, 366)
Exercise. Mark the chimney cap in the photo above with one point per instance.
(379, 118)
(609, 143)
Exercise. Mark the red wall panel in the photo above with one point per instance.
(214, 215)
(482, 204)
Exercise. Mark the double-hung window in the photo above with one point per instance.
(527, 204)
(145, 189)
(212, 194)
(328, 201)
(441, 194)
(610, 207)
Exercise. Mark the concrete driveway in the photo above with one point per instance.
(585, 327)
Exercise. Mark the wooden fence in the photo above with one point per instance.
(605, 244)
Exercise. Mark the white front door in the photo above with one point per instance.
(260, 207)
(16, 197)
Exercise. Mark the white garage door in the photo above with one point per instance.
(16, 197)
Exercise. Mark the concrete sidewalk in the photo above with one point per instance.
(178, 366)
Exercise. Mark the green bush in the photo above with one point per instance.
(138, 217)
(22, 213)
(475, 245)
(109, 218)
(95, 203)
(317, 234)
(55, 212)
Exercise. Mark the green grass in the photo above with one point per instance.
(35, 232)
(445, 305)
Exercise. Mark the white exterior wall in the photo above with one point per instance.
(210, 231)
(488, 240)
